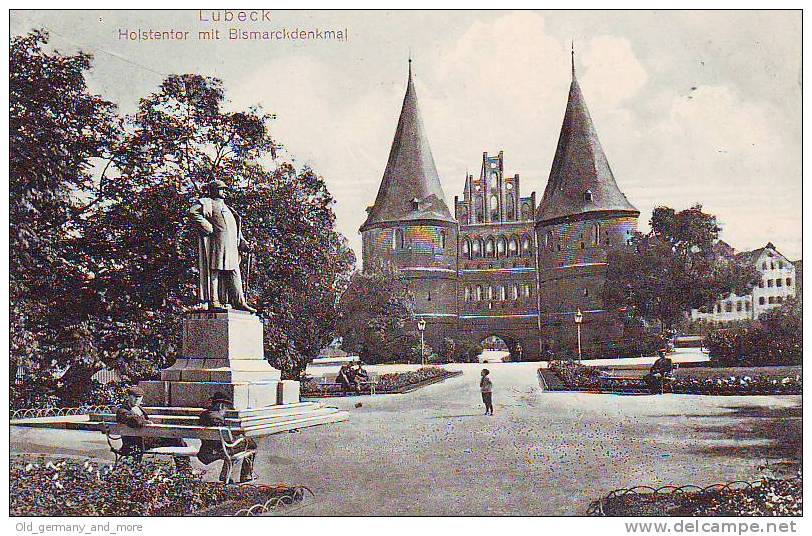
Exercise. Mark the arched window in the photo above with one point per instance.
(466, 248)
(525, 245)
(596, 234)
(442, 239)
(525, 290)
(510, 208)
(515, 294)
(467, 294)
(526, 212)
(494, 207)
(476, 247)
(490, 292)
(479, 293)
(588, 196)
(493, 179)
(501, 247)
(398, 239)
(489, 248)
(513, 247)
(502, 293)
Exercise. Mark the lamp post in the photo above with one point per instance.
(421, 327)
(579, 317)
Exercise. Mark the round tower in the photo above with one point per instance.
(410, 226)
(582, 216)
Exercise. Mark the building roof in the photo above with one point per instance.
(754, 255)
(410, 188)
(581, 180)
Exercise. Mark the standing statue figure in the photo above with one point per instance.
(219, 248)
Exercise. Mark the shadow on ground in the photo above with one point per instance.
(763, 433)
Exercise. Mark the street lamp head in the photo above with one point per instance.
(421, 325)
(579, 317)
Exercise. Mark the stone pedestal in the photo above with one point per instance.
(222, 352)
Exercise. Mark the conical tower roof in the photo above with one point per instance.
(410, 189)
(581, 180)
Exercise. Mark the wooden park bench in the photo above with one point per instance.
(234, 448)
(636, 383)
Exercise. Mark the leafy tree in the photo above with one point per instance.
(182, 137)
(678, 266)
(377, 318)
(57, 131)
(103, 253)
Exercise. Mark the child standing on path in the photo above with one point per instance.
(486, 386)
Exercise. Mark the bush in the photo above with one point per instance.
(76, 488)
(392, 382)
(458, 351)
(32, 395)
(577, 377)
(645, 345)
(767, 497)
(776, 338)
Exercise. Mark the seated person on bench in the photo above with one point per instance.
(360, 376)
(131, 414)
(661, 370)
(211, 451)
(346, 376)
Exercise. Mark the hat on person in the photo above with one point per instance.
(135, 391)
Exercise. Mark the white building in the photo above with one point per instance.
(777, 284)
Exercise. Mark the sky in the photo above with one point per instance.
(689, 106)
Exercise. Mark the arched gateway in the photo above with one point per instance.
(499, 266)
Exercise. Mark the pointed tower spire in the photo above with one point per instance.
(410, 188)
(572, 52)
(581, 180)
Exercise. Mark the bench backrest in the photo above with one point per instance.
(173, 431)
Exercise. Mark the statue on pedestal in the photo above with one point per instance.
(219, 245)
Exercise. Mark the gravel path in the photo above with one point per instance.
(431, 452)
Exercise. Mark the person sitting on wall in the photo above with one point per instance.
(660, 371)
(133, 415)
(211, 450)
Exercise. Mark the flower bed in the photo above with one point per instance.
(767, 497)
(69, 487)
(577, 377)
(389, 383)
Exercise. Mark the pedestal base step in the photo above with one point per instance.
(244, 394)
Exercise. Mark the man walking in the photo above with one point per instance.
(486, 387)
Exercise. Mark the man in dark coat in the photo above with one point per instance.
(132, 414)
(659, 372)
(346, 376)
(212, 450)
